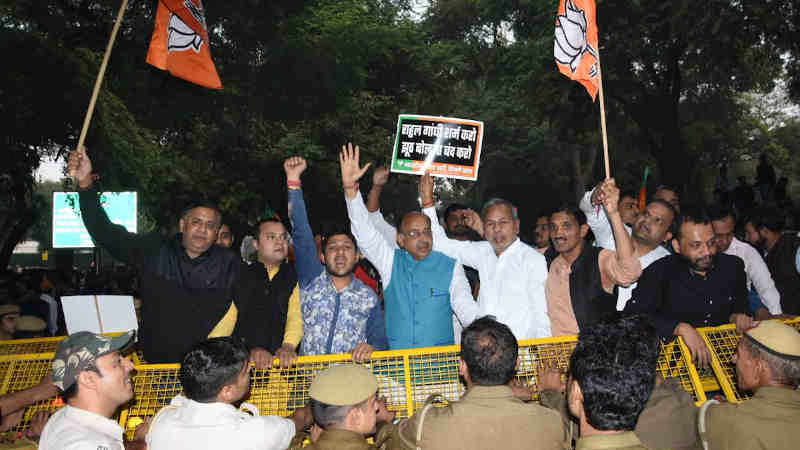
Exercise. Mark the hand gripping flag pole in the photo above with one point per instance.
(577, 54)
(96, 91)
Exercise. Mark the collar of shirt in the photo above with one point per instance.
(610, 441)
(213, 411)
(510, 249)
(778, 395)
(328, 282)
(501, 391)
(339, 436)
(95, 422)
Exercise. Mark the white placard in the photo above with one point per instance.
(99, 313)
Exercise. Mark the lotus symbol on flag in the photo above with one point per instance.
(181, 36)
(571, 42)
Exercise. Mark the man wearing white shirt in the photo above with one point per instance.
(422, 287)
(758, 276)
(650, 229)
(512, 273)
(95, 380)
(215, 375)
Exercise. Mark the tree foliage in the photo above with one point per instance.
(305, 77)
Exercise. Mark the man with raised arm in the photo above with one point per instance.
(421, 287)
(512, 273)
(186, 281)
(340, 313)
(583, 281)
(651, 228)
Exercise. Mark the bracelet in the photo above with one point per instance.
(428, 205)
(293, 183)
(354, 186)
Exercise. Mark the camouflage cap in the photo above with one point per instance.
(79, 351)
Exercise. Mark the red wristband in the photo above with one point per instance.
(293, 183)
(428, 205)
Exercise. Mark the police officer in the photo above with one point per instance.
(345, 405)
(488, 415)
(768, 364)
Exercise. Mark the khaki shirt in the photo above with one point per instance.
(486, 417)
(768, 420)
(668, 420)
(334, 439)
(625, 440)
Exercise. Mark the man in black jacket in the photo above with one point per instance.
(695, 287)
(186, 281)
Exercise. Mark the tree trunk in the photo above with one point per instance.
(20, 211)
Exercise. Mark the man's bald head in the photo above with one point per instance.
(415, 234)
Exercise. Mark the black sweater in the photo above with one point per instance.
(182, 298)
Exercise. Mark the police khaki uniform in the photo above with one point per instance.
(486, 417)
(668, 421)
(626, 440)
(345, 385)
(771, 418)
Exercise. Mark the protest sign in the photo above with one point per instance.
(444, 146)
(99, 313)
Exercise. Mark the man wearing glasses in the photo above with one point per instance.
(422, 287)
(186, 281)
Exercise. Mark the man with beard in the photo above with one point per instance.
(186, 281)
(421, 287)
(268, 299)
(340, 313)
(766, 300)
(695, 287)
(781, 250)
(583, 280)
(651, 228)
(512, 273)
(541, 238)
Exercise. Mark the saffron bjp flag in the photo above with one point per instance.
(180, 43)
(575, 47)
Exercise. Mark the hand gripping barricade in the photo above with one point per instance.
(405, 377)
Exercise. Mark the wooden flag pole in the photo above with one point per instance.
(88, 119)
(603, 120)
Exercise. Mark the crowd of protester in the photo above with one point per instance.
(466, 278)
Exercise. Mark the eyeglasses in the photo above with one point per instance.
(414, 234)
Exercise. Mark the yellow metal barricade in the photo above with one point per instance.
(723, 341)
(405, 377)
(675, 361)
(22, 372)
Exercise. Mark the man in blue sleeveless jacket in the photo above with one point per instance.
(421, 287)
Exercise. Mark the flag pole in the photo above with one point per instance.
(603, 119)
(88, 118)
